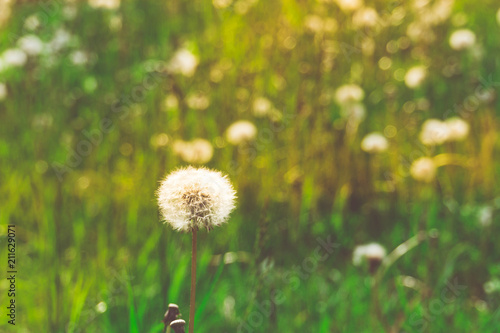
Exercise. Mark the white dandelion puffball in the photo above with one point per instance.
(423, 169)
(194, 198)
(349, 5)
(14, 57)
(368, 251)
(458, 129)
(434, 132)
(30, 44)
(183, 62)
(3, 91)
(374, 143)
(415, 76)
(262, 107)
(198, 151)
(221, 3)
(349, 93)
(79, 58)
(107, 4)
(365, 17)
(462, 39)
(240, 132)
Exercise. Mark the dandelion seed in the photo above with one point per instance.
(415, 76)
(462, 39)
(458, 129)
(423, 169)
(374, 143)
(240, 132)
(193, 198)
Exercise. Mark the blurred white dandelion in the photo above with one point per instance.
(198, 151)
(79, 58)
(423, 169)
(241, 131)
(434, 132)
(374, 143)
(222, 3)
(349, 93)
(371, 251)
(194, 198)
(32, 22)
(415, 76)
(183, 62)
(198, 101)
(31, 45)
(349, 5)
(462, 39)
(365, 17)
(106, 4)
(458, 129)
(262, 107)
(14, 57)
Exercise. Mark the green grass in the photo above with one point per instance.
(95, 236)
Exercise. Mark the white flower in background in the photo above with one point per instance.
(60, 40)
(415, 76)
(198, 151)
(32, 22)
(240, 132)
(349, 93)
(190, 199)
(79, 58)
(372, 251)
(107, 4)
(423, 169)
(222, 3)
(349, 5)
(30, 44)
(183, 62)
(198, 101)
(434, 132)
(462, 39)
(262, 107)
(458, 129)
(3, 91)
(374, 143)
(314, 23)
(485, 216)
(14, 57)
(365, 17)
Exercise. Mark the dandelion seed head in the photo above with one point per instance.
(415, 76)
(240, 132)
(31, 45)
(183, 62)
(423, 169)
(462, 39)
(458, 129)
(349, 93)
(194, 198)
(368, 251)
(14, 57)
(374, 143)
(198, 151)
(262, 107)
(434, 132)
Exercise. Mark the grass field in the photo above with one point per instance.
(100, 100)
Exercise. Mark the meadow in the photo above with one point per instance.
(359, 122)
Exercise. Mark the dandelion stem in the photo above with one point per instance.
(193, 283)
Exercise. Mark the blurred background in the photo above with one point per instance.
(341, 123)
